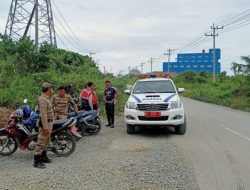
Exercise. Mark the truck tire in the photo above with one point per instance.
(181, 129)
(130, 129)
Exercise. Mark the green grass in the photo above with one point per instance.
(228, 91)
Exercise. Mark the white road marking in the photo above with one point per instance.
(236, 133)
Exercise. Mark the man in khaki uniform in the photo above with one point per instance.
(61, 102)
(45, 124)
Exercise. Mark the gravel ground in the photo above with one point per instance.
(111, 160)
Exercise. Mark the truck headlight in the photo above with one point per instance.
(131, 105)
(175, 104)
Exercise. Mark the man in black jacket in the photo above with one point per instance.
(110, 95)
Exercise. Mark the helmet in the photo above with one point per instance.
(19, 113)
(26, 111)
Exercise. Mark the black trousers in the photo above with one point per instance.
(95, 107)
(110, 111)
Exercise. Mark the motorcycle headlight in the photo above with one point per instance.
(131, 105)
(175, 104)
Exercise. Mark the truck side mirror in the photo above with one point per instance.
(127, 92)
(181, 90)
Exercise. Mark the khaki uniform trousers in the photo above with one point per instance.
(43, 140)
(60, 116)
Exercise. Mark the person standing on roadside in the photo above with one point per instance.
(110, 95)
(45, 126)
(95, 98)
(61, 103)
(87, 97)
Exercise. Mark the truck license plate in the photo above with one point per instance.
(152, 114)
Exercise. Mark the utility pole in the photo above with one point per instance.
(142, 67)
(169, 54)
(214, 55)
(90, 54)
(151, 62)
(104, 70)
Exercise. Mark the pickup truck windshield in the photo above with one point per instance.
(144, 87)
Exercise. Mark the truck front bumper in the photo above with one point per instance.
(172, 117)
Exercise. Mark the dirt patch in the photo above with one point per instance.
(4, 116)
(131, 145)
(140, 148)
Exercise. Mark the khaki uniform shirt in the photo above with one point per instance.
(46, 110)
(61, 104)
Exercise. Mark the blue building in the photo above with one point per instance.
(194, 62)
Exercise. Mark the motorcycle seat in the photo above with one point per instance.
(87, 113)
(72, 114)
(59, 123)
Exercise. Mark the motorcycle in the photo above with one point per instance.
(87, 122)
(17, 135)
(31, 121)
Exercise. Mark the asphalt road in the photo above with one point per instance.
(217, 144)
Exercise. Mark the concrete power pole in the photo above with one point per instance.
(169, 54)
(142, 67)
(151, 63)
(214, 55)
(32, 17)
(104, 70)
(90, 54)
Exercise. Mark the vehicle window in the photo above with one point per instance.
(154, 87)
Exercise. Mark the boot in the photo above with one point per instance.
(44, 158)
(109, 124)
(38, 163)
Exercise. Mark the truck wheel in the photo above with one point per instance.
(181, 129)
(130, 129)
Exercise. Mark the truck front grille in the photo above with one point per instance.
(163, 118)
(152, 107)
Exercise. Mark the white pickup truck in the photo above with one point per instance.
(155, 102)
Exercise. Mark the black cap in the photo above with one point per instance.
(89, 84)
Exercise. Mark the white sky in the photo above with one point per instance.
(124, 33)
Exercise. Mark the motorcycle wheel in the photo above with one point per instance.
(63, 144)
(8, 145)
(96, 131)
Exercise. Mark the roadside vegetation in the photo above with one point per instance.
(230, 91)
(23, 71)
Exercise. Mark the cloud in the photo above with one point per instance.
(125, 33)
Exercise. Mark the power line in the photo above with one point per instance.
(67, 33)
(203, 41)
(231, 19)
(62, 42)
(78, 41)
(240, 25)
(195, 40)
